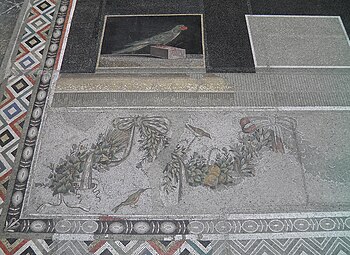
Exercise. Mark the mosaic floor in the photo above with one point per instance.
(244, 154)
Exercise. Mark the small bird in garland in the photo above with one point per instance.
(197, 132)
(131, 200)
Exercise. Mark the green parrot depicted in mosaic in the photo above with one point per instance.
(159, 39)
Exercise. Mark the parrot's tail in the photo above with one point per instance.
(130, 49)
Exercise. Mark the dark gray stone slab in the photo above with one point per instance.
(154, 6)
(84, 38)
(227, 40)
(9, 11)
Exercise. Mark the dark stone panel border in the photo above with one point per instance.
(226, 35)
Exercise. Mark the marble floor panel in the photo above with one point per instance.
(183, 156)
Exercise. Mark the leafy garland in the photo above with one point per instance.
(172, 169)
(151, 142)
(229, 167)
(231, 164)
(66, 176)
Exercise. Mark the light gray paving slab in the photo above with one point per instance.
(325, 156)
(298, 41)
(289, 82)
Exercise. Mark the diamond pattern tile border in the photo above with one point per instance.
(19, 86)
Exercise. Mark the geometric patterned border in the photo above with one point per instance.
(257, 226)
(260, 224)
(292, 246)
(13, 222)
(19, 86)
(241, 226)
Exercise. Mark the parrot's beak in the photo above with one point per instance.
(183, 28)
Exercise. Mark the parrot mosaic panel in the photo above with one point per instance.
(135, 34)
(152, 41)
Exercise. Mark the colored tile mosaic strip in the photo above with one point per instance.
(19, 86)
(258, 226)
(291, 246)
(36, 117)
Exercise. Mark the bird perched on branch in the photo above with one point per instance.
(159, 39)
(131, 200)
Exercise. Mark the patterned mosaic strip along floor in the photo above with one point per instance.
(18, 88)
(184, 99)
(291, 246)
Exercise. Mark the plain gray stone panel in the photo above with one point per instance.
(299, 41)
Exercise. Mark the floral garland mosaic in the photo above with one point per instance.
(230, 165)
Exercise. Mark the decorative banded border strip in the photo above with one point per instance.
(13, 214)
(200, 99)
(18, 88)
